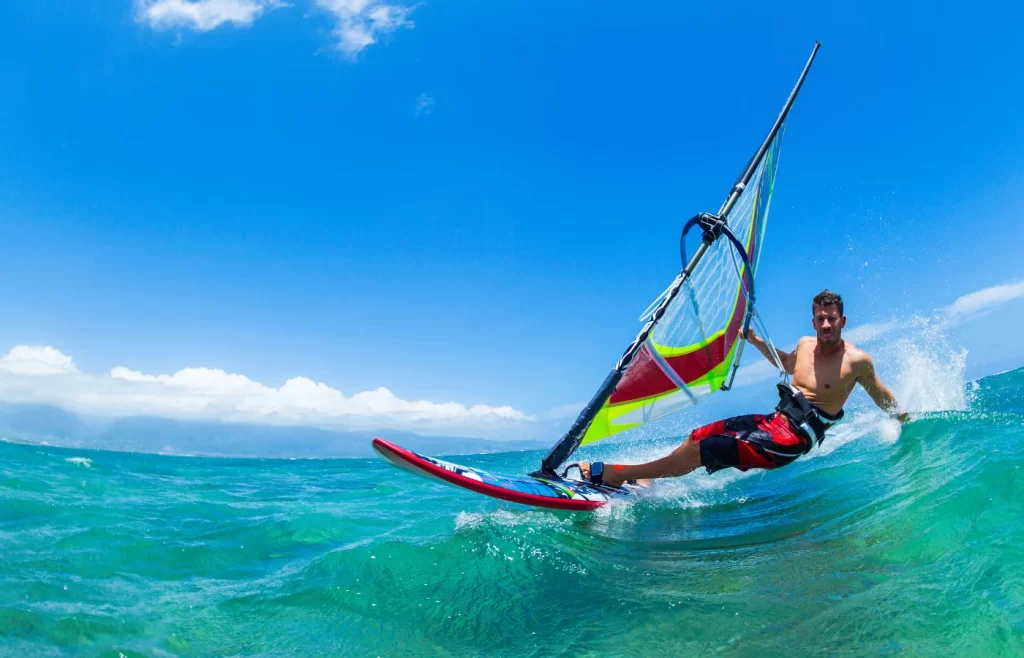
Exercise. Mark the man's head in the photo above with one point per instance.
(827, 318)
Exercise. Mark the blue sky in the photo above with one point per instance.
(472, 202)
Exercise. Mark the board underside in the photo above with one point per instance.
(553, 494)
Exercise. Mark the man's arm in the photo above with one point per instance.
(880, 394)
(788, 358)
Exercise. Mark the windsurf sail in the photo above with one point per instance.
(690, 346)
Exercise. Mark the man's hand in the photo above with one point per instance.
(903, 417)
(749, 335)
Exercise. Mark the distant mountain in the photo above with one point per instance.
(55, 426)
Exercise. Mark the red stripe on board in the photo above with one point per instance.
(402, 458)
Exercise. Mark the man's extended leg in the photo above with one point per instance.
(719, 440)
(683, 459)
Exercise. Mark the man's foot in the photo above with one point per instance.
(585, 473)
(611, 477)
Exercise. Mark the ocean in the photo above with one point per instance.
(885, 541)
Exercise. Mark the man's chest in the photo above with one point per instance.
(826, 376)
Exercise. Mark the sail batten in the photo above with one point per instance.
(690, 341)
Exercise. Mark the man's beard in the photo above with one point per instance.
(831, 339)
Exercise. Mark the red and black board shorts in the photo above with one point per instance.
(745, 442)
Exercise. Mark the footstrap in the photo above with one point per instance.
(596, 472)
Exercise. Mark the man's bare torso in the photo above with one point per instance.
(827, 378)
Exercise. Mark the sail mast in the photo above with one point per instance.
(741, 182)
(571, 440)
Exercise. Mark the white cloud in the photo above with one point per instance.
(358, 23)
(36, 360)
(865, 333)
(424, 104)
(202, 15)
(984, 300)
(213, 394)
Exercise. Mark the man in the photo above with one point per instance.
(825, 370)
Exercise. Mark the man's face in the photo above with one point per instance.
(828, 324)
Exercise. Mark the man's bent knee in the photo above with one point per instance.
(687, 445)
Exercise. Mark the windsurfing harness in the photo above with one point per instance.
(806, 418)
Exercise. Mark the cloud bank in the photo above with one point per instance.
(357, 23)
(44, 375)
(29, 360)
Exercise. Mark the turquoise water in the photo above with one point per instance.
(882, 543)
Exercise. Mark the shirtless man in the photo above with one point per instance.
(825, 370)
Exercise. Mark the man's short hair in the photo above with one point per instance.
(828, 298)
